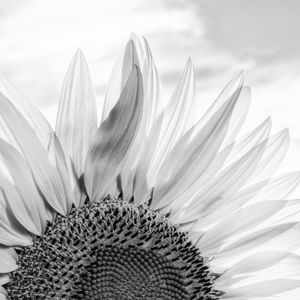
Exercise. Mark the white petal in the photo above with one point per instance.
(67, 172)
(257, 238)
(77, 115)
(226, 183)
(177, 114)
(238, 115)
(114, 138)
(276, 149)
(46, 177)
(11, 232)
(228, 92)
(7, 261)
(250, 140)
(151, 82)
(251, 264)
(264, 288)
(280, 187)
(246, 218)
(32, 115)
(23, 199)
(228, 154)
(179, 167)
(145, 160)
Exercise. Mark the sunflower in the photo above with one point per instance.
(148, 205)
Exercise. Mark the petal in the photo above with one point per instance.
(238, 115)
(253, 263)
(276, 150)
(229, 153)
(3, 293)
(23, 199)
(113, 138)
(11, 232)
(179, 168)
(264, 288)
(227, 182)
(28, 110)
(257, 238)
(76, 120)
(227, 93)
(119, 78)
(7, 261)
(279, 187)
(66, 170)
(177, 115)
(250, 140)
(45, 175)
(245, 219)
(151, 82)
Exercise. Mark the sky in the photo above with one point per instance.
(38, 39)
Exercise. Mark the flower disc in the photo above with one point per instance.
(112, 249)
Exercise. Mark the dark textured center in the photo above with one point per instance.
(112, 250)
(130, 273)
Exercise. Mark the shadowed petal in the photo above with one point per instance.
(113, 138)
(119, 77)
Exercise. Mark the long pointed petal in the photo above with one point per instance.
(77, 115)
(24, 200)
(119, 77)
(247, 218)
(177, 115)
(113, 138)
(29, 111)
(45, 175)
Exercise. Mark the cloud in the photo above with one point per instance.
(38, 39)
(264, 29)
(9, 7)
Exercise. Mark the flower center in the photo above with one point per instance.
(130, 273)
(112, 250)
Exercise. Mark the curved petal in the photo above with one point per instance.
(113, 138)
(29, 111)
(119, 77)
(7, 261)
(23, 199)
(45, 175)
(176, 116)
(11, 232)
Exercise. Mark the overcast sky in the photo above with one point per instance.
(38, 39)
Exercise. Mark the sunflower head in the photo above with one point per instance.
(114, 249)
(147, 204)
